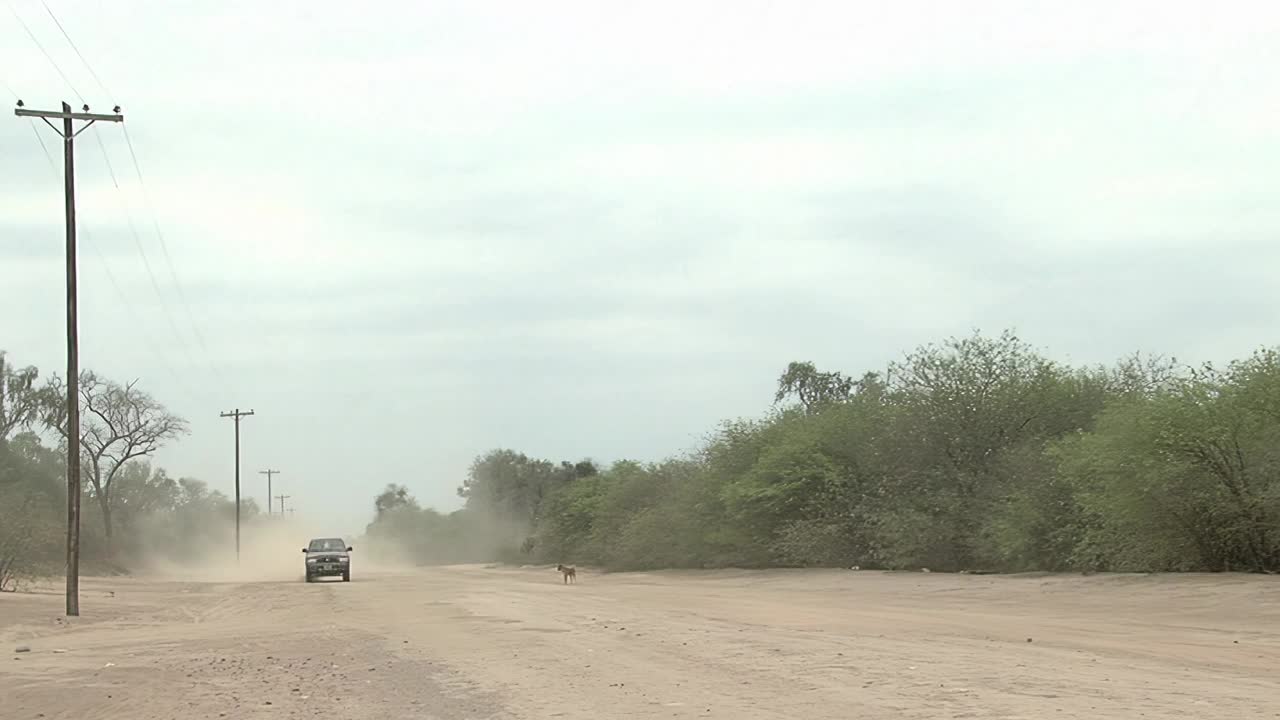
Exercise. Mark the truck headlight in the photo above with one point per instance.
(311, 561)
(344, 559)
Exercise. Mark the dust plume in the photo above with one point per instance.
(270, 550)
(412, 536)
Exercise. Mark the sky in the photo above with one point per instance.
(405, 233)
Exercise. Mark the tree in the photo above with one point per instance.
(812, 388)
(1219, 426)
(1258, 377)
(1184, 478)
(510, 490)
(19, 398)
(1144, 376)
(30, 500)
(171, 521)
(393, 498)
(119, 423)
(140, 490)
(974, 453)
(964, 405)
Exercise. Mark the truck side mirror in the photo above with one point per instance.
(304, 549)
(350, 549)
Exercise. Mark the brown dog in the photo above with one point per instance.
(569, 572)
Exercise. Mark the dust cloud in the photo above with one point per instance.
(412, 536)
(270, 550)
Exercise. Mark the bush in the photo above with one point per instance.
(30, 538)
(973, 454)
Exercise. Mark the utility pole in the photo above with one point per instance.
(236, 414)
(268, 473)
(282, 498)
(68, 134)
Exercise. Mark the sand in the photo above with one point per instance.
(477, 642)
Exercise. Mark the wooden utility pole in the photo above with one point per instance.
(68, 133)
(268, 473)
(236, 414)
(282, 498)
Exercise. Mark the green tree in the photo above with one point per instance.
(393, 498)
(964, 403)
(1184, 480)
(507, 490)
(815, 390)
(974, 453)
(32, 499)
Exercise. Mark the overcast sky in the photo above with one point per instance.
(408, 232)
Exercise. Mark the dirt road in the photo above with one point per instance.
(473, 642)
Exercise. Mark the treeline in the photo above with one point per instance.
(974, 454)
(130, 511)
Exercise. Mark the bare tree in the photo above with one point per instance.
(19, 398)
(118, 423)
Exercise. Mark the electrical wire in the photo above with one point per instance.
(183, 386)
(76, 49)
(168, 259)
(137, 241)
(44, 52)
(150, 208)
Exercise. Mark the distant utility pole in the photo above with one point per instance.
(282, 498)
(236, 414)
(68, 134)
(268, 473)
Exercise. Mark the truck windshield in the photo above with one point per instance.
(329, 544)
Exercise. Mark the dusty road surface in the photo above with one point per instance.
(472, 642)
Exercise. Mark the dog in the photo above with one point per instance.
(570, 573)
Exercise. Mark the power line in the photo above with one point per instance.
(149, 205)
(181, 384)
(150, 208)
(115, 285)
(133, 229)
(30, 242)
(168, 260)
(44, 52)
(137, 241)
(70, 42)
(48, 156)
